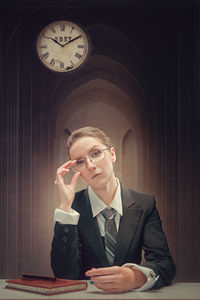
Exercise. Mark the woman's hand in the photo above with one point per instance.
(66, 192)
(117, 279)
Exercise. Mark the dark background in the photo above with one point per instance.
(159, 43)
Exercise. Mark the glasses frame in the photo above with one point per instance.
(91, 159)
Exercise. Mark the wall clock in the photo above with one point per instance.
(63, 46)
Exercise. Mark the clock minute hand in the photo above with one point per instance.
(72, 40)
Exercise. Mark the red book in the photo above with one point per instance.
(45, 285)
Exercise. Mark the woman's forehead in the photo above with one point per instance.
(84, 145)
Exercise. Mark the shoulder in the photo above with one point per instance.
(137, 198)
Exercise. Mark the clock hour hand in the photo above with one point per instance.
(50, 38)
(56, 41)
(72, 40)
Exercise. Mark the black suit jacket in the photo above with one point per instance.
(78, 248)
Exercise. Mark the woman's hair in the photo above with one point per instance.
(87, 131)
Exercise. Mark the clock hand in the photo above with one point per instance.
(50, 38)
(56, 41)
(72, 40)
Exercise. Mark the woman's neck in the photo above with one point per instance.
(107, 194)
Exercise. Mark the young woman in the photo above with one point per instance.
(100, 231)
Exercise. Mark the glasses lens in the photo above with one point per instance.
(97, 155)
(80, 163)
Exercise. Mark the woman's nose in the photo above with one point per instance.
(89, 163)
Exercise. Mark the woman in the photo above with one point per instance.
(86, 242)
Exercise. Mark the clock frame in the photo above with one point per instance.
(63, 46)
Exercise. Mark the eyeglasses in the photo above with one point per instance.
(95, 156)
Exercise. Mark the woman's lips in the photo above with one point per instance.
(95, 175)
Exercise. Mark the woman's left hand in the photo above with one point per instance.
(116, 279)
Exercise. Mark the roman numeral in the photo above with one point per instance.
(72, 29)
(43, 46)
(52, 29)
(52, 62)
(61, 65)
(80, 46)
(62, 27)
(78, 55)
(46, 37)
(45, 55)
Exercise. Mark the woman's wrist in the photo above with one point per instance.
(65, 208)
(139, 278)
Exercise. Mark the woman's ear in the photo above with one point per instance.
(113, 154)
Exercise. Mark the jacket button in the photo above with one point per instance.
(64, 239)
(64, 249)
(66, 230)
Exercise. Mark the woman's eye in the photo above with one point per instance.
(79, 162)
(95, 153)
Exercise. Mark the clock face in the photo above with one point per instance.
(63, 46)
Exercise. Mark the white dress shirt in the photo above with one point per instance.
(97, 206)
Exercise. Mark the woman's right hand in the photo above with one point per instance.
(66, 192)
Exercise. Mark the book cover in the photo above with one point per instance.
(46, 286)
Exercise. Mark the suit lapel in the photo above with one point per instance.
(89, 229)
(128, 226)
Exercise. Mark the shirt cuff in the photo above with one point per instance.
(149, 273)
(63, 217)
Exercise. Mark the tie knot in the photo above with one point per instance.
(108, 213)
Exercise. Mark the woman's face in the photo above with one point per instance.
(96, 174)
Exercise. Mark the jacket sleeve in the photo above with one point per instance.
(65, 256)
(156, 251)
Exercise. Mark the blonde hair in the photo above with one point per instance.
(90, 132)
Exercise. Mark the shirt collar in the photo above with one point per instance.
(97, 205)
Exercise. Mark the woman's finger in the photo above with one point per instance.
(74, 179)
(67, 165)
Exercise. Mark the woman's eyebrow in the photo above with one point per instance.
(93, 147)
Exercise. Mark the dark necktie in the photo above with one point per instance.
(110, 233)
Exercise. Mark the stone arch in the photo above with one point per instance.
(103, 104)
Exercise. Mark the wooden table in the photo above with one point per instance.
(174, 291)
